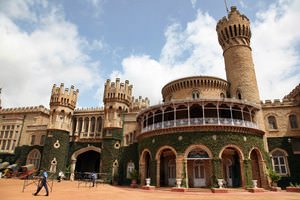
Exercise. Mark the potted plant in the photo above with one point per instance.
(134, 177)
(274, 177)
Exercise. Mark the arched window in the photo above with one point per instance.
(293, 121)
(34, 157)
(195, 94)
(130, 168)
(272, 122)
(279, 161)
(222, 95)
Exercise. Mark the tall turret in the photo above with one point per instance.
(234, 37)
(56, 148)
(62, 105)
(117, 100)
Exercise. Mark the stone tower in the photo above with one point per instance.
(234, 36)
(117, 101)
(62, 105)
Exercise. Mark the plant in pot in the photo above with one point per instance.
(134, 175)
(274, 177)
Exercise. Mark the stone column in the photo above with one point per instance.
(142, 173)
(72, 170)
(158, 173)
(179, 162)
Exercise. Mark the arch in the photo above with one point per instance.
(195, 146)
(279, 149)
(83, 150)
(143, 155)
(237, 148)
(34, 157)
(256, 159)
(157, 156)
(258, 151)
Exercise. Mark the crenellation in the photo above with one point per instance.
(64, 96)
(27, 109)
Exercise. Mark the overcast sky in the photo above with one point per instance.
(85, 42)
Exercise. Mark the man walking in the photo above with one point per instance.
(42, 183)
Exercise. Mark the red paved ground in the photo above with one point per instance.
(11, 189)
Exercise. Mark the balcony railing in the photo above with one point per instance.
(199, 122)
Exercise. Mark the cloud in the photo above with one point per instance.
(194, 50)
(52, 52)
(194, 2)
(276, 49)
(187, 52)
(96, 6)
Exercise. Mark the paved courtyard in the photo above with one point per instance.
(11, 189)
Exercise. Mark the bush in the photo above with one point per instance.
(273, 176)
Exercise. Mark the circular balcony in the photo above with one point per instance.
(201, 115)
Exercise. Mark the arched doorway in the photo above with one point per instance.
(88, 161)
(231, 165)
(167, 168)
(199, 168)
(256, 168)
(145, 165)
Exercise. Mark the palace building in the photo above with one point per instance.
(207, 128)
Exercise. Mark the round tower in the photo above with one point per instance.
(117, 100)
(62, 105)
(56, 147)
(234, 36)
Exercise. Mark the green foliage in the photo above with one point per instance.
(134, 175)
(273, 175)
(295, 185)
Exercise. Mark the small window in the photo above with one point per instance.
(42, 142)
(272, 122)
(222, 95)
(195, 94)
(279, 161)
(130, 168)
(238, 95)
(32, 140)
(293, 121)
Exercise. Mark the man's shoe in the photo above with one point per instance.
(46, 194)
(34, 194)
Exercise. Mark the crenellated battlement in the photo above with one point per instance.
(61, 96)
(234, 29)
(117, 91)
(139, 103)
(30, 109)
(276, 102)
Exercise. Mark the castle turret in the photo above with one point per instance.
(56, 148)
(117, 100)
(62, 105)
(234, 36)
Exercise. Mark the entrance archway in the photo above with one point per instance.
(231, 165)
(145, 165)
(166, 166)
(88, 162)
(87, 159)
(199, 166)
(256, 161)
